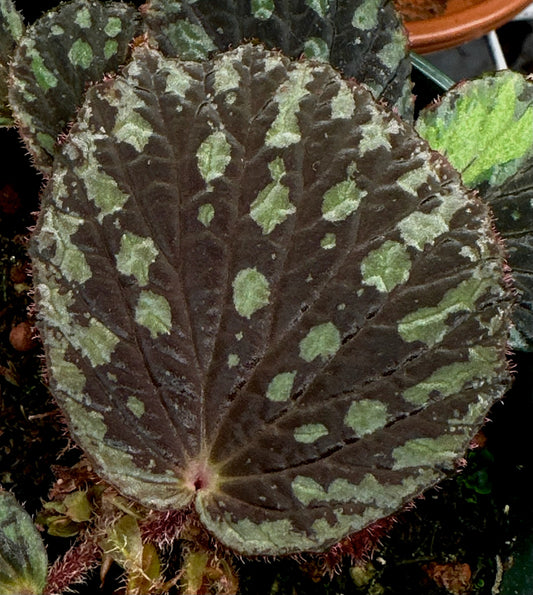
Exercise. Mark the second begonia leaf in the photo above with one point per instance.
(23, 560)
(512, 205)
(11, 30)
(262, 295)
(364, 39)
(60, 54)
(485, 128)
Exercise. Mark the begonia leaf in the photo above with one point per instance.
(512, 205)
(11, 30)
(484, 126)
(364, 39)
(59, 56)
(23, 561)
(263, 296)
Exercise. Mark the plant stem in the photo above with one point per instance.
(432, 72)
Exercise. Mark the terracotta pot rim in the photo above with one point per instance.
(456, 27)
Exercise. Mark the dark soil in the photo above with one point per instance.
(30, 435)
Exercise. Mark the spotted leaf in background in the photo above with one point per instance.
(485, 128)
(261, 294)
(512, 205)
(11, 30)
(59, 56)
(364, 39)
(23, 561)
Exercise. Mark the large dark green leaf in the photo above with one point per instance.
(60, 55)
(261, 293)
(364, 39)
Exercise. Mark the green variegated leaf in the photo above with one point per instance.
(60, 55)
(288, 315)
(484, 127)
(23, 562)
(11, 30)
(364, 39)
(512, 204)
